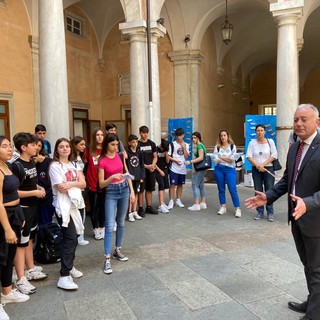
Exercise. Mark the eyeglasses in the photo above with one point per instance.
(6, 146)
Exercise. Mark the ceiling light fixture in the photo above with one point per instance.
(226, 28)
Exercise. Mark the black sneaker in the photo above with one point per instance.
(150, 210)
(118, 255)
(141, 212)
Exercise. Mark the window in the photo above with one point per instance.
(4, 119)
(74, 25)
(268, 109)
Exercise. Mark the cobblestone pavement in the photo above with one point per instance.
(182, 265)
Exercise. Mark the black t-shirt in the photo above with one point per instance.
(30, 181)
(44, 180)
(147, 149)
(161, 163)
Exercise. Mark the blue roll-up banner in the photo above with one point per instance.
(187, 125)
(250, 131)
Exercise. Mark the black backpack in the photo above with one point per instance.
(48, 244)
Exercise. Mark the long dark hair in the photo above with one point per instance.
(73, 143)
(56, 154)
(198, 135)
(110, 137)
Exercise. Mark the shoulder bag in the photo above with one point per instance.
(275, 163)
(204, 164)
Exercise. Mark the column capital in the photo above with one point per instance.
(185, 56)
(282, 10)
(137, 30)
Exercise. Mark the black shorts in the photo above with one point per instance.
(163, 182)
(136, 184)
(30, 228)
(149, 182)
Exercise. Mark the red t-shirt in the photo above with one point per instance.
(111, 166)
(92, 170)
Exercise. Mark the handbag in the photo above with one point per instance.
(275, 163)
(204, 164)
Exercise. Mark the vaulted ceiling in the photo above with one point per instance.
(254, 41)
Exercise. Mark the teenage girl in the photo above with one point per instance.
(11, 220)
(67, 182)
(118, 192)
(96, 196)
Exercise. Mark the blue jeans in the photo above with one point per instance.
(198, 184)
(116, 204)
(263, 181)
(226, 175)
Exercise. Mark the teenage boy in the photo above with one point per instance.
(112, 128)
(136, 168)
(40, 130)
(150, 158)
(178, 153)
(29, 192)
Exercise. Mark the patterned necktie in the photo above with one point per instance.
(297, 163)
(295, 173)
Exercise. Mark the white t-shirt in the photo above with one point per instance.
(178, 154)
(262, 152)
(61, 172)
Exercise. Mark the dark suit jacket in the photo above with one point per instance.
(307, 186)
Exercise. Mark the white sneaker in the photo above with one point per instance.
(33, 274)
(170, 204)
(238, 213)
(101, 230)
(83, 242)
(96, 234)
(67, 283)
(131, 217)
(179, 203)
(115, 226)
(163, 209)
(38, 268)
(24, 286)
(195, 207)
(14, 296)
(136, 216)
(203, 205)
(222, 211)
(3, 314)
(75, 273)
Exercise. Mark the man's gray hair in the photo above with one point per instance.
(310, 106)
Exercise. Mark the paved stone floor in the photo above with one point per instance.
(182, 265)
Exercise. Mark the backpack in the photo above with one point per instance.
(48, 244)
(238, 162)
(20, 173)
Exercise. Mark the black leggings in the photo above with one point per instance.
(7, 269)
(97, 209)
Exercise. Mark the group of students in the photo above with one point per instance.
(35, 189)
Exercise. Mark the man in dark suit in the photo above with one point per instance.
(301, 180)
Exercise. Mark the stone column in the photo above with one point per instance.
(186, 84)
(142, 112)
(286, 15)
(138, 74)
(155, 112)
(53, 70)
(34, 45)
